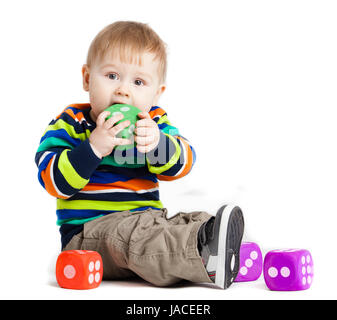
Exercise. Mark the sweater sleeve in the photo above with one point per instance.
(174, 156)
(64, 158)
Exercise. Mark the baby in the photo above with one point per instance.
(113, 206)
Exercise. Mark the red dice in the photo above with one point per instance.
(79, 269)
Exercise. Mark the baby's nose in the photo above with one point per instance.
(122, 90)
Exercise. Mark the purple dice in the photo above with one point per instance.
(288, 269)
(251, 262)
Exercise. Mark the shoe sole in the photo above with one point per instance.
(229, 242)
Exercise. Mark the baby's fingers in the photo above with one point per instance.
(143, 141)
(147, 148)
(122, 142)
(101, 118)
(144, 131)
(119, 127)
(113, 120)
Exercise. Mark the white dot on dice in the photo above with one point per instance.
(243, 271)
(272, 272)
(248, 263)
(97, 265)
(125, 109)
(303, 270)
(91, 278)
(97, 277)
(254, 255)
(69, 271)
(285, 272)
(91, 266)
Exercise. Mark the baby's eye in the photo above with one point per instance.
(139, 82)
(113, 76)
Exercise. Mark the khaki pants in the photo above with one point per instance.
(146, 243)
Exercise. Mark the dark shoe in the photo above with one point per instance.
(219, 241)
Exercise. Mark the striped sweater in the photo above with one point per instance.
(87, 187)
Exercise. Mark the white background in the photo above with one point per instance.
(254, 80)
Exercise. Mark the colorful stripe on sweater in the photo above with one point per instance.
(87, 187)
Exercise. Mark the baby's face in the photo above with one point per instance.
(111, 81)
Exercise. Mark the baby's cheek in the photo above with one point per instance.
(144, 103)
(98, 102)
(142, 107)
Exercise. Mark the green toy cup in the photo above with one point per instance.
(130, 113)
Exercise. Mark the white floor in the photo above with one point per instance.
(46, 287)
(28, 267)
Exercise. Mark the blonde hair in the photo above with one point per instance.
(130, 38)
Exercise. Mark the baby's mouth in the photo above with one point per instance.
(117, 102)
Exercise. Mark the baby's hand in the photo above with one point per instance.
(147, 133)
(103, 137)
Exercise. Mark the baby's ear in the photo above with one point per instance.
(160, 91)
(85, 76)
